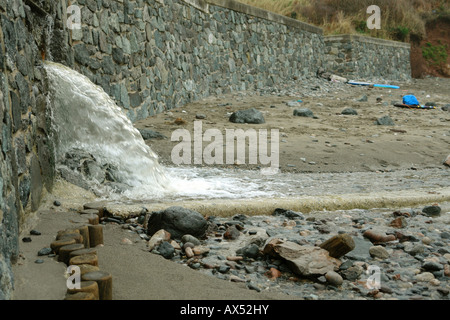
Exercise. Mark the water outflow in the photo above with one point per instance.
(86, 118)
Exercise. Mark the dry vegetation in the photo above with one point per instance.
(401, 19)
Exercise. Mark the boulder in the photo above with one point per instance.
(178, 221)
(303, 112)
(303, 260)
(148, 134)
(247, 116)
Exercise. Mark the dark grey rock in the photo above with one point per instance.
(44, 252)
(363, 98)
(249, 251)
(148, 134)
(432, 211)
(178, 221)
(432, 266)
(446, 107)
(187, 238)
(252, 116)
(166, 250)
(349, 111)
(385, 121)
(289, 214)
(303, 112)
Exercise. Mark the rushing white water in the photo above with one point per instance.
(86, 118)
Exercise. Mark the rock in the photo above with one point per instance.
(385, 121)
(303, 260)
(26, 239)
(377, 238)
(334, 278)
(414, 249)
(339, 245)
(191, 239)
(35, 233)
(166, 250)
(148, 134)
(293, 104)
(200, 250)
(39, 261)
(363, 98)
(303, 112)
(432, 266)
(189, 252)
(432, 211)
(247, 116)
(447, 161)
(157, 238)
(379, 252)
(44, 251)
(352, 273)
(349, 111)
(273, 273)
(57, 203)
(399, 223)
(177, 221)
(335, 78)
(249, 251)
(446, 107)
(200, 116)
(232, 233)
(288, 214)
(425, 277)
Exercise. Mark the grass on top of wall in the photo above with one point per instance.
(400, 19)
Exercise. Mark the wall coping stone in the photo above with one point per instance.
(261, 13)
(354, 37)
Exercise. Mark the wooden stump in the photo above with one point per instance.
(88, 258)
(86, 286)
(66, 231)
(55, 245)
(339, 245)
(85, 268)
(93, 219)
(104, 282)
(82, 251)
(100, 206)
(84, 231)
(80, 296)
(77, 236)
(95, 235)
(64, 252)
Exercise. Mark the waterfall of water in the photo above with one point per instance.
(85, 119)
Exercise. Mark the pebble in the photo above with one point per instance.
(44, 252)
(35, 233)
(413, 263)
(39, 261)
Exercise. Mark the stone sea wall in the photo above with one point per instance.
(148, 55)
(357, 57)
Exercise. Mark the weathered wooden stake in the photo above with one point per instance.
(95, 235)
(104, 281)
(86, 286)
(64, 252)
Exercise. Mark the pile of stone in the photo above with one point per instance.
(314, 257)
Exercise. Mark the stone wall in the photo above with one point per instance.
(149, 55)
(357, 57)
(155, 55)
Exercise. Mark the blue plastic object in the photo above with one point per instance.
(410, 100)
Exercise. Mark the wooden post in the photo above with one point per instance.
(88, 258)
(77, 236)
(86, 286)
(83, 251)
(339, 245)
(80, 296)
(93, 219)
(95, 235)
(55, 245)
(85, 268)
(64, 252)
(104, 281)
(84, 231)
